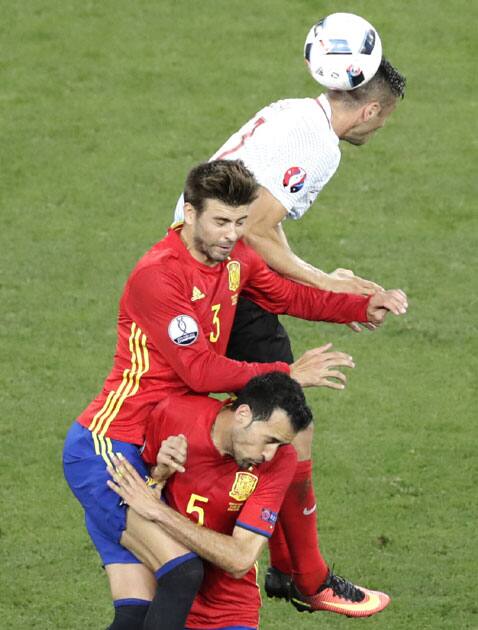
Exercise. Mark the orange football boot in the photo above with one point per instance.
(340, 596)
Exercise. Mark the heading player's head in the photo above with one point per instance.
(362, 111)
(268, 412)
(217, 197)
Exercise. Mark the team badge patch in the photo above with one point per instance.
(234, 269)
(244, 485)
(294, 179)
(269, 516)
(183, 330)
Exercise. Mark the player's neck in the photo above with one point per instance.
(221, 432)
(343, 119)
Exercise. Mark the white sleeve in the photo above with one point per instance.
(294, 166)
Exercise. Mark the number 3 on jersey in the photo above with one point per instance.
(194, 508)
(216, 322)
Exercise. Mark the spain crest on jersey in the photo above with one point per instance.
(244, 485)
(234, 269)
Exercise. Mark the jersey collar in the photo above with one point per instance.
(323, 102)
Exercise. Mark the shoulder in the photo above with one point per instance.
(286, 455)
(248, 260)
(160, 265)
(241, 251)
(187, 412)
(244, 254)
(162, 254)
(282, 466)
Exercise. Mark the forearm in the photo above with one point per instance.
(272, 246)
(220, 549)
(209, 372)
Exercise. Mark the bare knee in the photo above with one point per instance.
(131, 581)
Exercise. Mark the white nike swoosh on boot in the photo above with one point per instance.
(308, 512)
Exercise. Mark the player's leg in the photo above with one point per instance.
(299, 514)
(133, 586)
(314, 587)
(257, 335)
(85, 458)
(178, 572)
(294, 546)
(298, 569)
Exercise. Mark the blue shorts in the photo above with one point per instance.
(85, 457)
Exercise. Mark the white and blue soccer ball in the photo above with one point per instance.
(343, 51)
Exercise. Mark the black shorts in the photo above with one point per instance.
(258, 336)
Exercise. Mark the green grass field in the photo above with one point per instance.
(105, 106)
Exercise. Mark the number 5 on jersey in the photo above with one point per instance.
(194, 508)
(216, 322)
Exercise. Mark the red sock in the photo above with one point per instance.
(279, 551)
(298, 516)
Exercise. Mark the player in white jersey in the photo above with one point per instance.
(292, 147)
(302, 151)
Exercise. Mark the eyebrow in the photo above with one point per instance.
(232, 220)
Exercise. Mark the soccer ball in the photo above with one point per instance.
(343, 51)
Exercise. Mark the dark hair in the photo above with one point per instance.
(275, 390)
(386, 84)
(227, 180)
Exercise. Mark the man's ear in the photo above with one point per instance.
(371, 110)
(243, 415)
(189, 213)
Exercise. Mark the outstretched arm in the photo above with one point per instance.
(264, 233)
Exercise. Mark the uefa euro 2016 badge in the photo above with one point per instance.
(269, 516)
(183, 330)
(294, 179)
(234, 269)
(244, 485)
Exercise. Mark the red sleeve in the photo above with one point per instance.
(279, 295)
(260, 511)
(155, 300)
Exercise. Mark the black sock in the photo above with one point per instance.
(129, 616)
(178, 582)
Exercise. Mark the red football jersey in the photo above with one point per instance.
(216, 493)
(175, 319)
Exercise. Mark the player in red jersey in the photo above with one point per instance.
(174, 322)
(233, 481)
(178, 306)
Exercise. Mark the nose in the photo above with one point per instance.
(269, 451)
(232, 233)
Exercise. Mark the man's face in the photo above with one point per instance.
(256, 442)
(364, 129)
(216, 230)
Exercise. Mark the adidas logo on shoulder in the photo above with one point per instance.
(197, 294)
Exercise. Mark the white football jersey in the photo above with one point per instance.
(290, 147)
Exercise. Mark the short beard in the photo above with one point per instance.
(200, 247)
